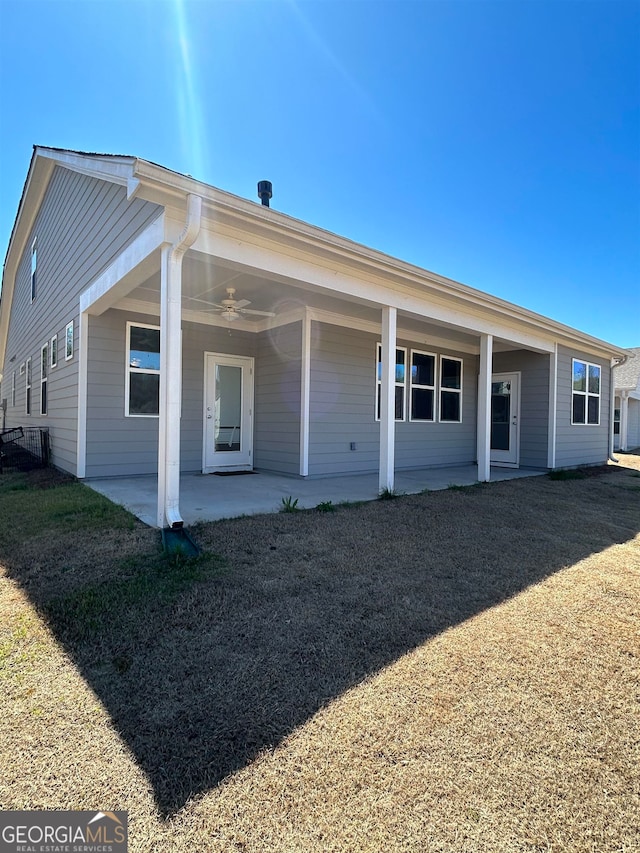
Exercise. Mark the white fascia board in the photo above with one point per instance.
(374, 290)
(32, 195)
(117, 170)
(101, 294)
(255, 223)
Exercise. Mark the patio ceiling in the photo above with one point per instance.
(206, 279)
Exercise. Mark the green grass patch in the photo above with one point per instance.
(141, 585)
(289, 504)
(472, 487)
(569, 474)
(69, 505)
(387, 495)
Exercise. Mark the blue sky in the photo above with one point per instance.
(497, 143)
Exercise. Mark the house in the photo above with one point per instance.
(626, 425)
(157, 324)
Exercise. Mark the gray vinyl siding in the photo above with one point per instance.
(118, 445)
(580, 444)
(278, 385)
(81, 226)
(633, 428)
(534, 402)
(342, 409)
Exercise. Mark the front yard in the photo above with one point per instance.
(453, 671)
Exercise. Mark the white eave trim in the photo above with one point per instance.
(106, 167)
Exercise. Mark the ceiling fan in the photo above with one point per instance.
(233, 309)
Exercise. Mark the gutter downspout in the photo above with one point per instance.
(171, 367)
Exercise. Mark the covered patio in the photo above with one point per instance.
(210, 497)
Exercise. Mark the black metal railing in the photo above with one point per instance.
(24, 448)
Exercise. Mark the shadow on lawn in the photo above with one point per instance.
(203, 664)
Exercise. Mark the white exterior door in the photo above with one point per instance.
(505, 419)
(228, 413)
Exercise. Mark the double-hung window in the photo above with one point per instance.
(423, 386)
(54, 351)
(68, 341)
(450, 389)
(401, 361)
(585, 395)
(142, 395)
(27, 384)
(44, 368)
(34, 265)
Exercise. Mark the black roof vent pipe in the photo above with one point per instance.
(265, 192)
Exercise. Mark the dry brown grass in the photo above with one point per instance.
(456, 671)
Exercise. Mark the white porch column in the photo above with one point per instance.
(171, 368)
(484, 409)
(553, 407)
(305, 385)
(624, 419)
(388, 400)
(83, 383)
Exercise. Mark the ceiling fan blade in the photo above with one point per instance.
(257, 313)
(240, 303)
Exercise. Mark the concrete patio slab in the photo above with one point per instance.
(208, 497)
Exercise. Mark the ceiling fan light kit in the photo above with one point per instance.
(232, 309)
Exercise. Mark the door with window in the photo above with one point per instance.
(505, 419)
(228, 413)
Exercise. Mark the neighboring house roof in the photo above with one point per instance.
(627, 375)
(146, 180)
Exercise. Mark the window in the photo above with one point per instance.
(142, 395)
(27, 407)
(401, 360)
(585, 397)
(616, 421)
(450, 389)
(44, 367)
(54, 351)
(423, 381)
(34, 264)
(13, 388)
(68, 341)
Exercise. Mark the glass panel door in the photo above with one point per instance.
(505, 426)
(500, 415)
(228, 421)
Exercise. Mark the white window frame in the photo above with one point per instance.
(128, 370)
(53, 351)
(27, 387)
(44, 383)
(34, 269)
(68, 342)
(402, 384)
(586, 393)
(419, 387)
(13, 389)
(22, 368)
(445, 390)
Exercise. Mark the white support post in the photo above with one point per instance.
(484, 409)
(388, 400)
(624, 420)
(171, 368)
(170, 390)
(553, 408)
(83, 375)
(305, 379)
